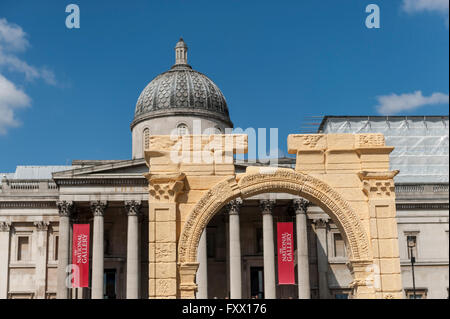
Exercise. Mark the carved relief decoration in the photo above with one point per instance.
(165, 188)
(370, 140)
(311, 140)
(379, 188)
(378, 184)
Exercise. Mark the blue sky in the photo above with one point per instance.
(70, 93)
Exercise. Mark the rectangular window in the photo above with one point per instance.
(420, 293)
(339, 246)
(55, 248)
(341, 293)
(23, 251)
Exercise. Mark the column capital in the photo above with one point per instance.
(320, 222)
(5, 226)
(98, 207)
(266, 206)
(165, 188)
(65, 208)
(133, 207)
(41, 225)
(378, 184)
(234, 206)
(300, 205)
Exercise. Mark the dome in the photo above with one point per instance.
(181, 91)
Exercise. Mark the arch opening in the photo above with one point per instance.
(277, 181)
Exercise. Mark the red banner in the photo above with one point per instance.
(80, 256)
(285, 234)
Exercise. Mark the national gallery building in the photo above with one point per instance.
(165, 230)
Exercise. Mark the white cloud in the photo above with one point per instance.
(11, 98)
(12, 36)
(438, 6)
(13, 40)
(392, 104)
(412, 6)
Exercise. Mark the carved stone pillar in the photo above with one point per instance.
(163, 192)
(322, 256)
(65, 211)
(202, 272)
(98, 210)
(269, 249)
(41, 258)
(300, 207)
(133, 211)
(385, 269)
(4, 258)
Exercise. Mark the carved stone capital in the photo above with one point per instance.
(5, 226)
(133, 207)
(378, 184)
(320, 222)
(300, 205)
(65, 208)
(266, 206)
(41, 225)
(98, 207)
(234, 206)
(165, 188)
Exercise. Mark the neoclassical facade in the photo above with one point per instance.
(184, 219)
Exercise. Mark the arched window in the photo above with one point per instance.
(182, 129)
(146, 138)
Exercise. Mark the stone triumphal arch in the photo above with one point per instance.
(192, 177)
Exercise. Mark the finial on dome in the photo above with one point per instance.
(181, 53)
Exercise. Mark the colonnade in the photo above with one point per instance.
(235, 259)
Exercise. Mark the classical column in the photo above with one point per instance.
(65, 210)
(268, 248)
(41, 258)
(235, 250)
(202, 272)
(133, 211)
(4, 258)
(322, 257)
(227, 253)
(300, 207)
(98, 210)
